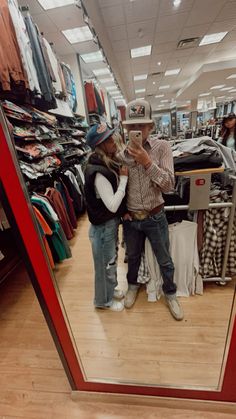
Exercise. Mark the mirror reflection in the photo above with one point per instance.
(135, 203)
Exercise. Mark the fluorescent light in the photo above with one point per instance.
(157, 96)
(110, 87)
(233, 76)
(114, 92)
(204, 94)
(101, 71)
(118, 97)
(176, 3)
(52, 4)
(227, 88)
(140, 90)
(164, 100)
(141, 52)
(172, 72)
(220, 97)
(106, 80)
(217, 87)
(164, 87)
(232, 91)
(140, 77)
(213, 38)
(92, 57)
(140, 98)
(159, 63)
(81, 34)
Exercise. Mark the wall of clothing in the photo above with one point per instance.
(29, 69)
(95, 102)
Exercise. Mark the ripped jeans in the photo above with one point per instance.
(103, 240)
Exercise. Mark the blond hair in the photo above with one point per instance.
(110, 163)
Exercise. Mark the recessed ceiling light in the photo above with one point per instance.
(227, 88)
(232, 91)
(106, 80)
(52, 4)
(153, 82)
(140, 98)
(157, 96)
(173, 72)
(204, 94)
(176, 3)
(213, 38)
(141, 52)
(164, 100)
(220, 97)
(159, 63)
(140, 77)
(164, 87)
(233, 76)
(75, 35)
(92, 57)
(140, 90)
(217, 87)
(101, 71)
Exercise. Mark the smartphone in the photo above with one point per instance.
(135, 135)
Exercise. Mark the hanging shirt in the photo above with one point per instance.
(55, 67)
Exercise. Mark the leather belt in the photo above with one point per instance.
(143, 214)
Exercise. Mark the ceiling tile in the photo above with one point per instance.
(140, 10)
(231, 36)
(117, 33)
(107, 3)
(113, 16)
(67, 17)
(195, 31)
(34, 6)
(44, 23)
(170, 23)
(168, 36)
(120, 46)
(85, 47)
(204, 11)
(227, 12)
(167, 7)
(60, 43)
(164, 48)
(142, 28)
(222, 26)
(137, 42)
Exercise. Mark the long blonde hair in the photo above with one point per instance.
(109, 162)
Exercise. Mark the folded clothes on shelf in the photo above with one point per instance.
(45, 166)
(13, 111)
(38, 150)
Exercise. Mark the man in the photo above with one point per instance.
(151, 172)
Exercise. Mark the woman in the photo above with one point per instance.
(105, 183)
(228, 132)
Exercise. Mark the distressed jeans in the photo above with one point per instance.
(155, 228)
(103, 240)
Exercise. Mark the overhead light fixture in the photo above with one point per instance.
(153, 82)
(140, 98)
(213, 38)
(227, 88)
(76, 35)
(157, 96)
(232, 91)
(106, 80)
(173, 72)
(159, 63)
(101, 71)
(217, 87)
(204, 94)
(220, 97)
(164, 87)
(118, 97)
(52, 4)
(140, 77)
(233, 76)
(111, 88)
(141, 52)
(140, 90)
(164, 100)
(114, 92)
(176, 3)
(92, 57)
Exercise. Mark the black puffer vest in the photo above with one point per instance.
(97, 211)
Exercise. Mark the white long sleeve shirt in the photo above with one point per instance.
(105, 191)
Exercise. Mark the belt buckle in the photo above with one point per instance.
(140, 215)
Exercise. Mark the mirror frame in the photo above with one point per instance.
(16, 203)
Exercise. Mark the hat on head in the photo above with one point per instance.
(97, 134)
(230, 116)
(138, 112)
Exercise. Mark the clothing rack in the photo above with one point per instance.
(203, 204)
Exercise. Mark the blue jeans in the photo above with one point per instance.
(103, 239)
(155, 228)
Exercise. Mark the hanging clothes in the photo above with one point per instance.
(45, 231)
(24, 46)
(70, 86)
(100, 104)
(57, 203)
(90, 97)
(68, 201)
(55, 67)
(40, 64)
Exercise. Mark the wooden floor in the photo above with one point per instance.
(144, 344)
(33, 384)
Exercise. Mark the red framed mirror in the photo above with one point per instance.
(17, 205)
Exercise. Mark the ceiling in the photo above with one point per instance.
(124, 24)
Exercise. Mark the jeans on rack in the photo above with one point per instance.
(155, 228)
(103, 239)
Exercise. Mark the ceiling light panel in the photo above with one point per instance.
(140, 90)
(173, 72)
(217, 87)
(101, 72)
(232, 91)
(213, 38)
(111, 88)
(76, 35)
(106, 80)
(52, 4)
(227, 88)
(157, 96)
(233, 76)
(165, 101)
(92, 57)
(140, 77)
(204, 94)
(164, 87)
(141, 52)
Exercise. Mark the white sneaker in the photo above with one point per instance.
(175, 307)
(116, 306)
(118, 294)
(131, 296)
